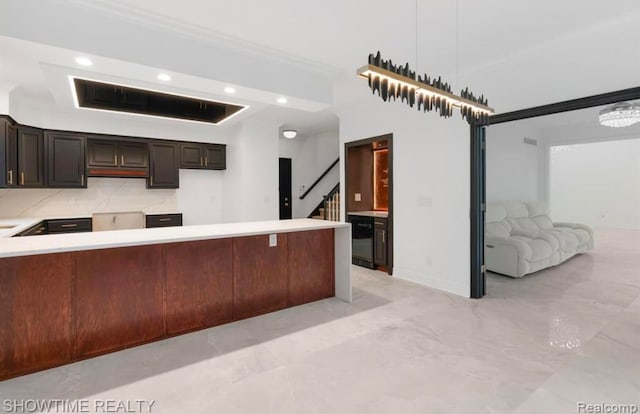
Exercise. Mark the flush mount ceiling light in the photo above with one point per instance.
(164, 77)
(392, 82)
(619, 115)
(83, 61)
(282, 100)
(230, 90)
(290, 133)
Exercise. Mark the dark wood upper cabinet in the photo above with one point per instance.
(191, 155)
(133, 155)
(8, 154)
(66, 160)
(103, 153)
(215, 157)
(117, 157)
(31, 157)
(203, 156)
(163, 165)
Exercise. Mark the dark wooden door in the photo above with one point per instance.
(380, 242)
(191, 155)
(102, 153)
(36, 309)
(119, 298)
(66, 166)
(259, 275)
(9, 154)
(31, 157)
(215, 157)
(12, 155)
(163, 172)
(311, 266)
(133, 155)
(285, 189)
(199, 289)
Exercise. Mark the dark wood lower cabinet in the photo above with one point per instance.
(199, 285)
(36, 313)
(60, 308)
(309, 277)
(119, 298)
(259, 275)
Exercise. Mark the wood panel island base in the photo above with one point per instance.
(64, 300)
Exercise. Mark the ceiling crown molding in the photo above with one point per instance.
(132, 14)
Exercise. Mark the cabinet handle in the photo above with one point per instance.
(82, 180)
(165, 219)
(22, 178)
(384, 236)
(202, 161)
(68, 226)
(206, 161)
(115, 159)
(152, 181)
(122, 159)
(10, 180)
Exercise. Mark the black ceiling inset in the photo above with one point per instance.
(110, 97)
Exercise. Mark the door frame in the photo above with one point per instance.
(389, 138)
(478, 168)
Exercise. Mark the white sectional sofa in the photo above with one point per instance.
(520, 238)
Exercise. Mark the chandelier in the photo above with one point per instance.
(391, 82)
(620, 115)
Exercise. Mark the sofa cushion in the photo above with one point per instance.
(537, 208)
(540, 249)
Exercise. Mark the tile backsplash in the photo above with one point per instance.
(102, 195)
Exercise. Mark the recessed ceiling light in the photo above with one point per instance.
(83, 61)
(282, 100)
(164, 77)
(290, 133)
(230, 89)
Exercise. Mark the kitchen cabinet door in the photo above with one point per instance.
(215, 157)
(66, 165)
(133, 155)
(103, 153)
(164, 163)
(380, 242)
(8, 154)
(191, 155)
(31, 157)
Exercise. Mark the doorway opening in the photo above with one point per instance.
(369, 201)
(479, 172)
(285, 201)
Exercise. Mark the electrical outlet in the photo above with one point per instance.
(357, 197)
(273, 240)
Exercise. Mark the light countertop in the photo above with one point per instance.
(57, 243)
(383, 214)
(11, 227)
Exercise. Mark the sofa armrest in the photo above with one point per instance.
(523, 249)
(579, 226)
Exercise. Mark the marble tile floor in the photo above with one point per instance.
(539, 344)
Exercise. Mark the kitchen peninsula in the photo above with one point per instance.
(69, 297)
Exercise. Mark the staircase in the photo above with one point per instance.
(329, 207)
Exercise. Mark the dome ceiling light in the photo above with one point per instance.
(620, 115)
(290, 133)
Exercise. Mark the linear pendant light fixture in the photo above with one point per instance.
(391, 82)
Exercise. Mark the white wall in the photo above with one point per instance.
(596, 183)
(431, 187)
(310, 157)
(513, 167)
(246, 191)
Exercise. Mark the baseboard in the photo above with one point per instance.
(409, 275)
